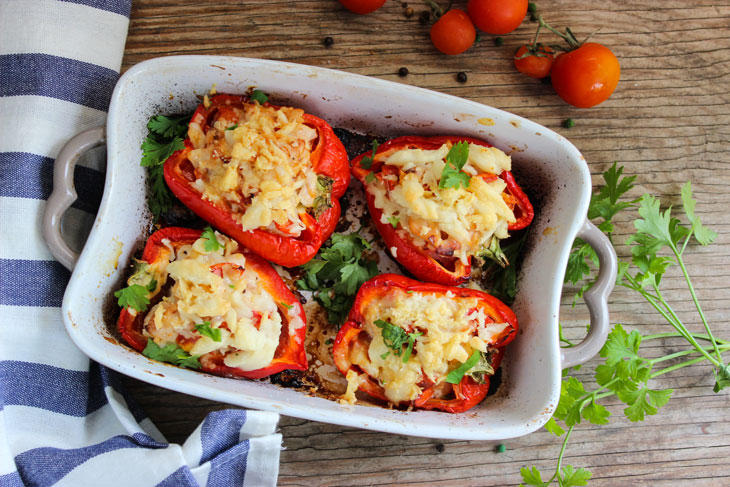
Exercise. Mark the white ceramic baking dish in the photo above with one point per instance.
(531, 371)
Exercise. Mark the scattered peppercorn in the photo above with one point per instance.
(404, 4)
(461, 77)
(440, 447)
(424, 17)
(328, 41)
(403, 72)
(568, 123)
(329, 341)
(408, 12)
(501, 448)
(498, 41)
(546, 80)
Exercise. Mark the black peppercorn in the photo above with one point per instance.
(328, 41)
(461, 77)
(408, 12)
(403, 72)
(425, 17)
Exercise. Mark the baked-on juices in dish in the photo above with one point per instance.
(199, 300)
(438, 202)
(420, 345)
(268, 176)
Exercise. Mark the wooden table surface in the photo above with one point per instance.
(667, 122)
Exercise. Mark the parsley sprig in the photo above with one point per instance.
(135, 296)
(659, 242)
(165, 136)
(336, 274)
(367, 161)
(211, 242)
(207, 330)
(171, 353)
(452, 176)
(395, 337)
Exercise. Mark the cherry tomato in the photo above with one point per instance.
(537, 64)
(586, 76)
(453, 33)
(362, 6)
(497, 16)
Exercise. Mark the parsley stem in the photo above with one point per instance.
(680, 261)
(672, 319)
(671, 334)
(561, 454)
(683, 353)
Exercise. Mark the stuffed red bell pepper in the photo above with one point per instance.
(422, 345)
(268, 176)
(439, 201)
(198, 300)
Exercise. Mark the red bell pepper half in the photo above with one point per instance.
(441, 395)
(289, 353)
(419, 261)
(328, 158)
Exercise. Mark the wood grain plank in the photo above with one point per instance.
(668, 122)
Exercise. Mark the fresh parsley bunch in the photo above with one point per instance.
(336, 274)
(659, 242)
(165, 136)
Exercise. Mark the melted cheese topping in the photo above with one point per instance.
(213, 287)
(256, 161)
(470, 217)
(452, 328)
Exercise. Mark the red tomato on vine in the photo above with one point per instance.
(586, 76)
(453, 32)
(362, 6)
(497, 16)
(534, 61)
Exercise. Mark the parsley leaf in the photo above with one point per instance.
(393, 220)
(458, 373)
(532, 477)
(232, 127)
(451, 176)
(370, 177)
(704, 236)
(367, 161)
(482, 369)
(573, 477)
(336, 274)
(502, 281)
(212, 244)
(259, 96)
(206, 330)
(171, 353)
(165, 136)
(395, 337)
(135, 296)
(286, 305)
(168, 127)
(155, 153)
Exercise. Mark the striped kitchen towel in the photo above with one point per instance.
(63, 418)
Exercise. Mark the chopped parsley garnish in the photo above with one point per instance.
(338, 271)
(135, 296)
(170, 353)
(232, 127)
(367, 161)
(452, 176)
(286, 305)
(458, 373)
(259, 96)
(393, 220)
(370, 177)
(165, 136)
(206, 330)
(323, 201)
(212, 243)
(395, 337)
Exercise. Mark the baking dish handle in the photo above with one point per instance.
(596, 298)
(64, 193)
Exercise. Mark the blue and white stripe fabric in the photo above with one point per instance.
(63, 419)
